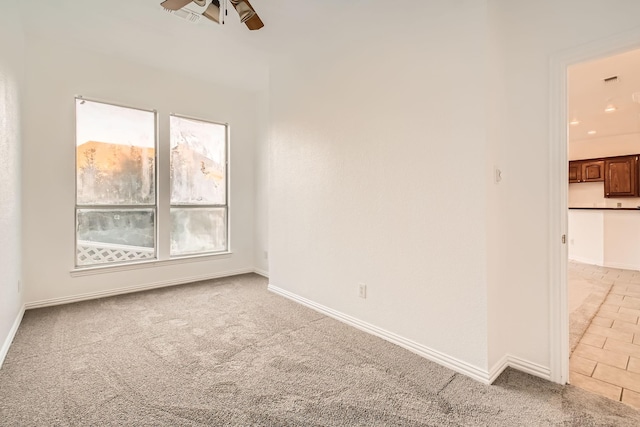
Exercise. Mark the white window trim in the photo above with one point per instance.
(161, 258)
(140, 265)
(227, 195)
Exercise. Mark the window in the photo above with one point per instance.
(115, 183)
(198, 186)
(117, 200)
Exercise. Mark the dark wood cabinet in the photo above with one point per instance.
(575, 171)
(621, 176)
(586, 170)
(592, 171)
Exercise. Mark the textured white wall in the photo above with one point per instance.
(586, 236)
(531, 33)
(55, 75)
(374, 141)
(608, 238)
(621, 236)
(261, 172)
(11, 78)
(378, 174)
(497, 192)
(617, 145)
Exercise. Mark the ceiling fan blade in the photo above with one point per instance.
(174, 4)
(254, 23)
(247, 14)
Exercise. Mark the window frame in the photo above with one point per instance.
(156, 199)
(162, 203)
(225, 206)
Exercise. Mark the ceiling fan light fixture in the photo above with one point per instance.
(213, 11)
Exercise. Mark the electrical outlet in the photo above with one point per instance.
(265, 254)
(19, 285)
(362, 290)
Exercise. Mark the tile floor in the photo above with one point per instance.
(606, 359)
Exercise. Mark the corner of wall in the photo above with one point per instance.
(11, 87)
(4, 349)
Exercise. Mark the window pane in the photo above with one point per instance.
(197, 230)
(115, 155)
(114, 235)
(198, 165)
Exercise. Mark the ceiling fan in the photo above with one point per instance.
(215, 12)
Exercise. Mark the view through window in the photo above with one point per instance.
(115, 183)
(198, 186)
(116, 195)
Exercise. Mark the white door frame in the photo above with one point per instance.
(559, 186)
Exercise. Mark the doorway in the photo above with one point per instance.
(599, 322)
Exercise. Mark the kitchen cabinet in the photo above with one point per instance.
(592, 171)
(586, 170)
(621, 176)
(575, 171)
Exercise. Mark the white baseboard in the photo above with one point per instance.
(529, 367)
(426, 352)
(261, 272)
(485, 377)
(130, 289)
(584, 260)
(498, 368)
(621, 266)
(12, 333)
(509, 361)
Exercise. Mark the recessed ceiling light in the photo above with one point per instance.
(610, 108)
(592, 132)
(574, 122)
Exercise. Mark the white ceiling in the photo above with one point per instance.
(589, 95)
(142, 31)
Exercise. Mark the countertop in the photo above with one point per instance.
(610, 209)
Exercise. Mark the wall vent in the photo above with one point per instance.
(186, 13)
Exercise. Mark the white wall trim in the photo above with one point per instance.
(498, 368)
(558, 222)
(510, 361)
(12, 333)
(263, 273)
(135, 288)
(621, 266)
(529, 367)
(111, 268)
(558, 188)
(585, 260)
(424, 351)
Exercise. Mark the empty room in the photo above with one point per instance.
(258, 212)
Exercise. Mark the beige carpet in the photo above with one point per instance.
(229, 353)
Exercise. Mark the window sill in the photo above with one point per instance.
(88, 271)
